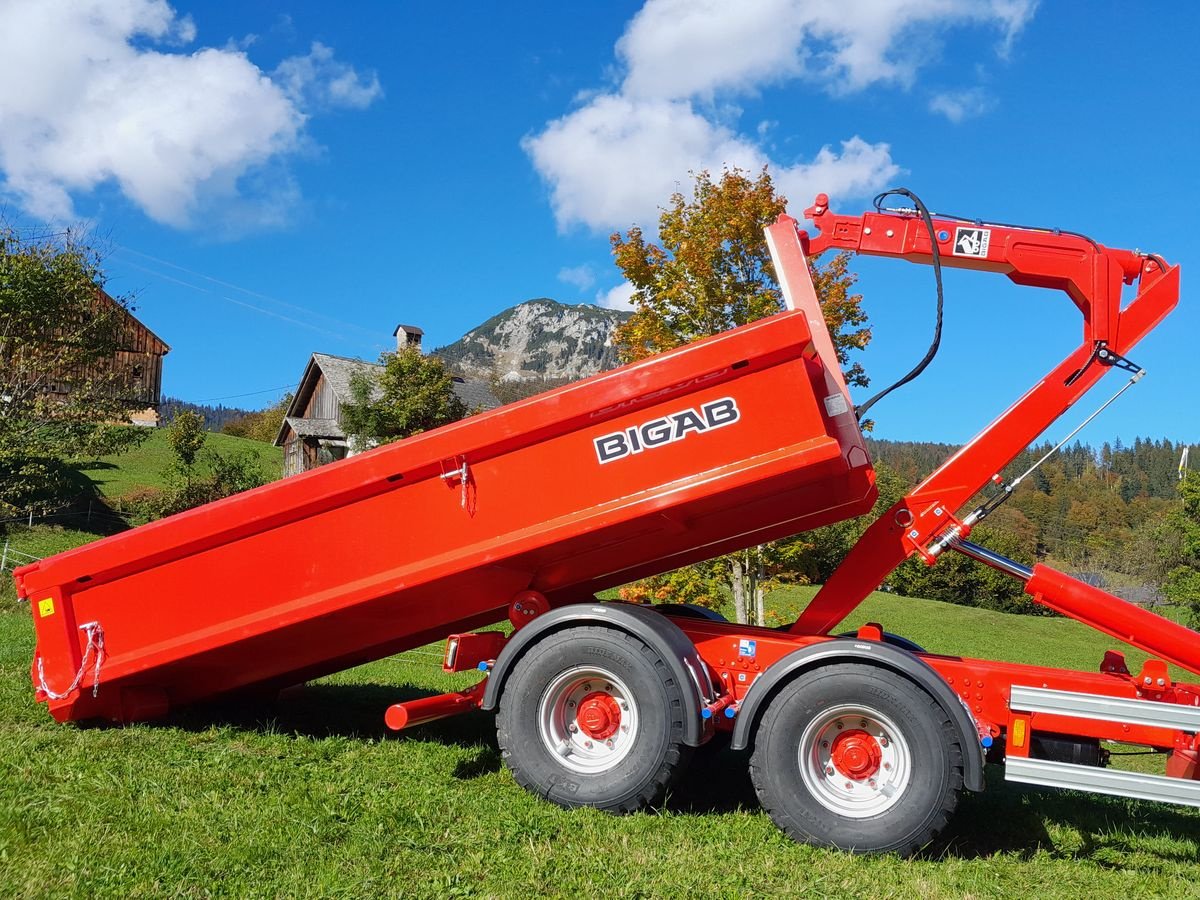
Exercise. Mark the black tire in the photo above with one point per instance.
(893, 795)
(627, 771)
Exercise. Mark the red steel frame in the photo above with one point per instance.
(1093, 277)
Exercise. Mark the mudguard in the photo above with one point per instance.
(873, 653)
(657, 631)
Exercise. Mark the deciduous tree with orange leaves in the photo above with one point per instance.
(711, 271)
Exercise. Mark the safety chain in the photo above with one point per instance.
(95, 644)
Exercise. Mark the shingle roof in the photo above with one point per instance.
(338, 371)
(319, 428)
(475, 395)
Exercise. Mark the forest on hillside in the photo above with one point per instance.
(1100, 512)
(215, 417)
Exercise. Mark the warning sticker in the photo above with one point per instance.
(46, 607)
(972, 241)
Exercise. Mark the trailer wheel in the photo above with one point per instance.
(853, 757)
(592, 716)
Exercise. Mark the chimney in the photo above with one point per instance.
(407, 336)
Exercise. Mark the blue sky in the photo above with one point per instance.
(277, 178)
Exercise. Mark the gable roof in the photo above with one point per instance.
(338, 372)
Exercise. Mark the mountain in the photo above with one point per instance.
(539, 338)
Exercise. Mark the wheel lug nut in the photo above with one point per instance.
(824, 745)
(862, 723)
(849, 786)
(572, 728)
(588, 744)
(587, 687)
(872, 784)
(608, 743)
(883, 742)
(887, 766)
(840, 726)
(829, 770)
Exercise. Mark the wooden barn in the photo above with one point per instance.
(311, 434)
(137, 365)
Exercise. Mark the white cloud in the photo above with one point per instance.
(690, 48)
(582, 277)
(611, 161)
(104, 99)
(616, 298)
(958, 106)
(318, 80)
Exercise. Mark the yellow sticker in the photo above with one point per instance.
(46, 607)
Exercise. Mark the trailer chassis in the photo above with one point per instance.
(862, 742)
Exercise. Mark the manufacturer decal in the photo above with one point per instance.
(972, 241)
(667, 429)
(747, 648)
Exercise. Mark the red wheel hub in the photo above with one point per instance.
(599, 715)
(856, 754)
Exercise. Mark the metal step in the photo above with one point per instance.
(1102, 781)
(1107, 709)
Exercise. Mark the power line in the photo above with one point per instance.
(247, 291)
(243, 303)
(282, 387)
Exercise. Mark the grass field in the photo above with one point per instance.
(311, 796)
(147, 464)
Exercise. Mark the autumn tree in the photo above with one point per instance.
(261, 425)
(62, 393)
(1182, 583)
(413, 393)
(712, 271)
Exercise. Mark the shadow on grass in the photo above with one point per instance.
(1006, 818)
(353, 711)
(1015, 819)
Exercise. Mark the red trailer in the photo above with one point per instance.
(525, 512)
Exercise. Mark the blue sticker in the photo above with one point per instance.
(747, 648)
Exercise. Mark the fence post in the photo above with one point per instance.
(89, 518)
(30, 518)
(4, 557)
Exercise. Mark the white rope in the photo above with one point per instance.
(95, 645)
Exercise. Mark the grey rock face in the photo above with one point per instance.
(539, 338)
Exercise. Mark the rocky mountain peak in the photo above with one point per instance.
(540, 338)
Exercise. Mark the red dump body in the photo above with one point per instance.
(737, 439)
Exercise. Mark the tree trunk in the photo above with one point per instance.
(738, 585)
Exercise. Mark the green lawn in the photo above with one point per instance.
(147, 464)
(311, 796)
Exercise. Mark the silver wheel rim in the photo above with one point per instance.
(885, 762)
(565, 736)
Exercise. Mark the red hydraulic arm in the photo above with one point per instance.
(1090, 274)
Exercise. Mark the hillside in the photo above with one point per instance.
(539, 338)
(146, 466)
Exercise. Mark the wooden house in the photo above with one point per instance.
(311, 434)
(136, 364)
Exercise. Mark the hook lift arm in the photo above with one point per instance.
(1092, 276)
